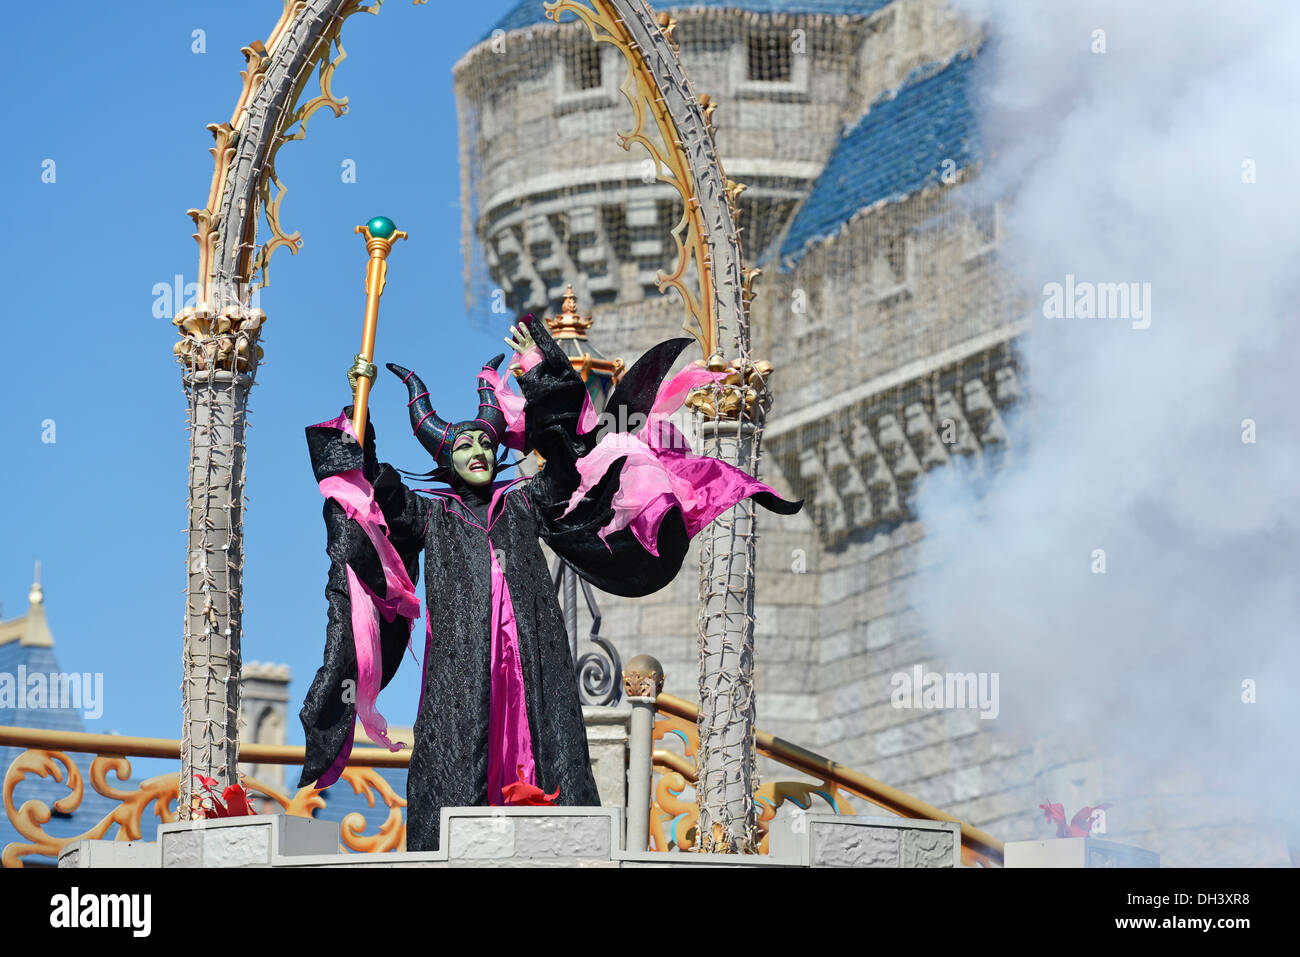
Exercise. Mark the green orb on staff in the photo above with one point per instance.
(381, 232)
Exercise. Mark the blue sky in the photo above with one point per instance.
(119, 101)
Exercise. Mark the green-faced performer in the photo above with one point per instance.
(499, 719)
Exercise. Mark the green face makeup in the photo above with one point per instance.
(474, 457)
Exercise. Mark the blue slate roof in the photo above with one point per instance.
(899, 146)
(94, 807)
(529, 12)
(35, 660)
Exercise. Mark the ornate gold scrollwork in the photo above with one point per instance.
(161, 792)
(225, 340)
(685, 157)
(769, 798)
(258, 57)
(298, 117)
(745, 388)
(673, 818)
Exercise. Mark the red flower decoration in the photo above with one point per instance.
(1079, 826)
(521, 793)
(236, 800)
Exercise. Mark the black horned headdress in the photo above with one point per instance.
(438, 435)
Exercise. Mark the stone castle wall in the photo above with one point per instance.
(550, 197)
(880, 334)
(902, 286)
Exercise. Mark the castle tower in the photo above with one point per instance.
(35, 692)
(264, 715)
(551, 196)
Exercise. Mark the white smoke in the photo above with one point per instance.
(1136, 165)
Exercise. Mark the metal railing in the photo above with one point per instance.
(978, 847)
(45, 755)
(671, 815)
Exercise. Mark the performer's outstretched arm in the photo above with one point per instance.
(613, 499)
(561, 425)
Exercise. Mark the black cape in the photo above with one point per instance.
(449, 760)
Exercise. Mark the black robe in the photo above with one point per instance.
(449, 760)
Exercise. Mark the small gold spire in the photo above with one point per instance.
(569, 324)
(36, 596)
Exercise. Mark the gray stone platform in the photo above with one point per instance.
(523, 837)
(1077, 852)
(832, 840)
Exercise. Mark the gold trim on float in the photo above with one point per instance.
(45, 756)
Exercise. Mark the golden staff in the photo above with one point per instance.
(380, 235)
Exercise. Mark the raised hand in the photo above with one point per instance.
(520, 339)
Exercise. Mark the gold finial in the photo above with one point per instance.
(735, 395)
(36, 596)
(569, 324)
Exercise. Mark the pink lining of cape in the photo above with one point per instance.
(512, 405)
(510, 741)
(661, 473)
(357, 498)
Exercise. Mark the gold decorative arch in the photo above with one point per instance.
(305, 40)
(686, 158)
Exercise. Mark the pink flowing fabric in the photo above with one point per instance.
(512, 407)
(529, 358)
(357, 498)
(661, 473)
(510, 743)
